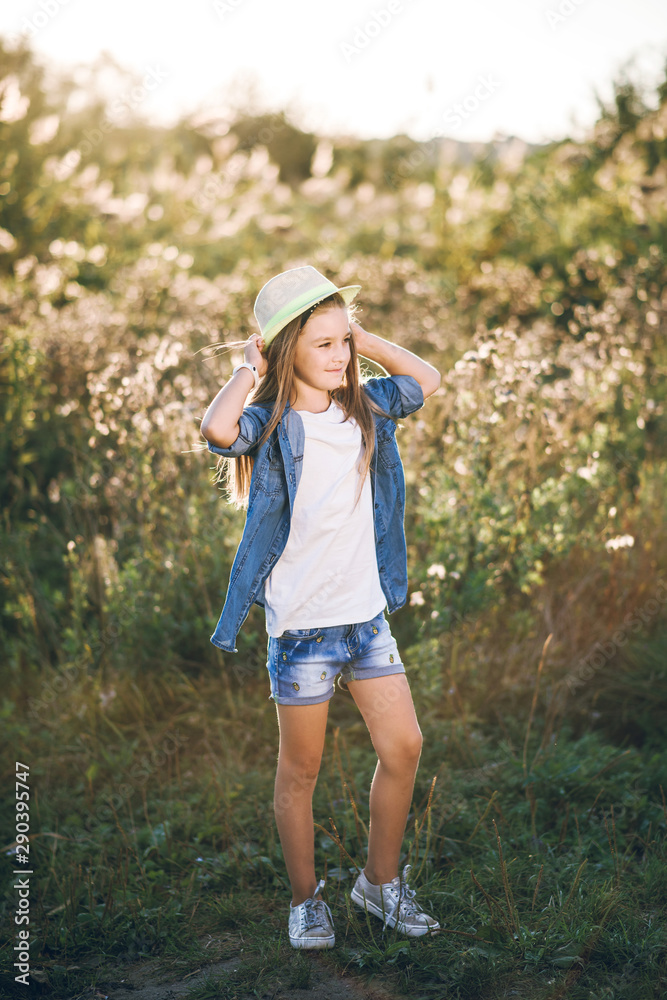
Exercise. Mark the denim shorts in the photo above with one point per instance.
(303, 662)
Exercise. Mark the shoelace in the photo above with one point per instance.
(403, 896)
(315, 911)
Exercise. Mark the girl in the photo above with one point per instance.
(323, 552)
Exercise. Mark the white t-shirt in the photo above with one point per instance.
(327, 573)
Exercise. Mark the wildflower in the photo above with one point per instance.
(620, 542)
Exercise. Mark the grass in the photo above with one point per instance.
(152, 836)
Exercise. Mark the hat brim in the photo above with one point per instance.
(348, 293)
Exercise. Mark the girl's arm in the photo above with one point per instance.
(220, 425)
(395, 360)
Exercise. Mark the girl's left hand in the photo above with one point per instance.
(361, 338)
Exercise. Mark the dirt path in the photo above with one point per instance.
(151, 980)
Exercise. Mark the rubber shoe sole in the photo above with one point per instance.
(313, 942)
(368, 904)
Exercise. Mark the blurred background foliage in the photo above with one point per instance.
(533, 278)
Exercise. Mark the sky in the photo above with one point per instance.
(471, 71)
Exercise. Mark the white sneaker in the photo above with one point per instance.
(394, 903)
(310, 922)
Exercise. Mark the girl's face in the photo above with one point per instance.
(323, 349)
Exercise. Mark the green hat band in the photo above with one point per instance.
(296, 306)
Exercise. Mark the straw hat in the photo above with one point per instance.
(291, 293)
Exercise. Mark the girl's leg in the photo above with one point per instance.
(387, 708)
(302, 729)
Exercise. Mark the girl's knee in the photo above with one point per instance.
(301, 773)
(403, 752)
(294, 786)
(412, 745)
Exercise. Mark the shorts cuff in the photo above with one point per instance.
(369, 672)
(313, 700)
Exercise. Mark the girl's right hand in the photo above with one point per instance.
(253, 353)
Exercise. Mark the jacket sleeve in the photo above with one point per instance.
(398, 395)
(252, 421)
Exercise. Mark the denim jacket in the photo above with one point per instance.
(273, 485)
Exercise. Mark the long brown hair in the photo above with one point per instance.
(275, 388)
